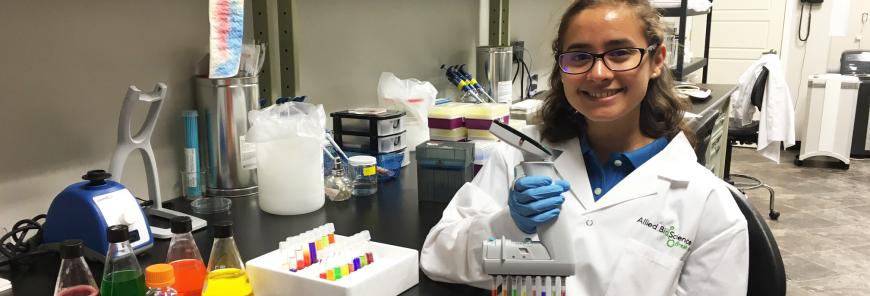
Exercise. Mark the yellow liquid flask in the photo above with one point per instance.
(226, 272)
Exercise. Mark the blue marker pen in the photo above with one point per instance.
(191, 155)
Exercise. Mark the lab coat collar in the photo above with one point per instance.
(665, 170)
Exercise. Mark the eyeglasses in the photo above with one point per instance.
(617, 60)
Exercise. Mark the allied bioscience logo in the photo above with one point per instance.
(674, 240)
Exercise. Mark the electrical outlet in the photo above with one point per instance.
(533, 86)
(518, 46)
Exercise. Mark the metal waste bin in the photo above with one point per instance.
(227, 158)
(494, 71)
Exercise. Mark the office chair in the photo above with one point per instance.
(749, 135)
(766, 269)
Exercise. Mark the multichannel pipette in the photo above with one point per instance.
(552, 257)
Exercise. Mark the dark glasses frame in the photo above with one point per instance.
(597, 56)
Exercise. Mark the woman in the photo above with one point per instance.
(650, 220)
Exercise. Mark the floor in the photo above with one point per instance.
(824, 228)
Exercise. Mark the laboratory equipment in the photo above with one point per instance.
(185, 258)
(363, 175)
(85, 209)
(226, 272)
(230, 160)
(388, 165)
(442, 168)
(467, 85)
(159, 278)
(447, 121)
(478, 118)
(494, 71)
(192, 188)
(301, 251)
(551, 256)
(829, 118)
(286, 136)
(122, 275)
(141, 141)
(370, 145)
(389, 122)
(857, 63)
(345, 266)
(74, 278)
(337, 186)
(369, 130)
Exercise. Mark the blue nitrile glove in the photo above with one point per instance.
(535, 200)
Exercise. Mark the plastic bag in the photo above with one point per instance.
(287, 135)
(292, 119)
(412, 96)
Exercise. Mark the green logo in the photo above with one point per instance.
(673, 238)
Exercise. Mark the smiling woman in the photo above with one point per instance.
(648, 219)
(628, 36)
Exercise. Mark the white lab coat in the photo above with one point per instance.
(776, 122)
(619, 252)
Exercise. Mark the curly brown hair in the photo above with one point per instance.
(661, 111)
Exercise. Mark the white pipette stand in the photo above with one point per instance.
(127, 143)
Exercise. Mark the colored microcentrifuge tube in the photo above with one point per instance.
(344, 270)
(337, 271)
(330, 275)
(356, 263)
(313, 250)
(306, 255)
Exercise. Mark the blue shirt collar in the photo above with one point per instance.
(636, 158)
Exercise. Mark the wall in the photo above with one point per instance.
(65, 70)
(343, 46)
(535, 23)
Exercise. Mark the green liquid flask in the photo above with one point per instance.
(122, 275)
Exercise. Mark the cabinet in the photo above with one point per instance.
(682, 69)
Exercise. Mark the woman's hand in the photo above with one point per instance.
(535, 200)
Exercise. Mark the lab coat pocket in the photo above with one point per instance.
(643, 270)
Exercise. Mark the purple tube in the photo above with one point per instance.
(356, 263)
(312, 248)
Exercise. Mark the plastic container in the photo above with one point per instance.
(363, 175)
(457, 134)
(450, 110)
(364, 144)
(389, 165)
(159, 278)
(383, 127)
(395, 271)
(368, 122)
(290, 180)
(442, 168)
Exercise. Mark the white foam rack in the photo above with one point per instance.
(395, 270)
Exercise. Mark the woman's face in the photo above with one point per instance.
(603, 95)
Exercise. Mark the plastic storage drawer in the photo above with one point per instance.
(360, 123)
(372, 145)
